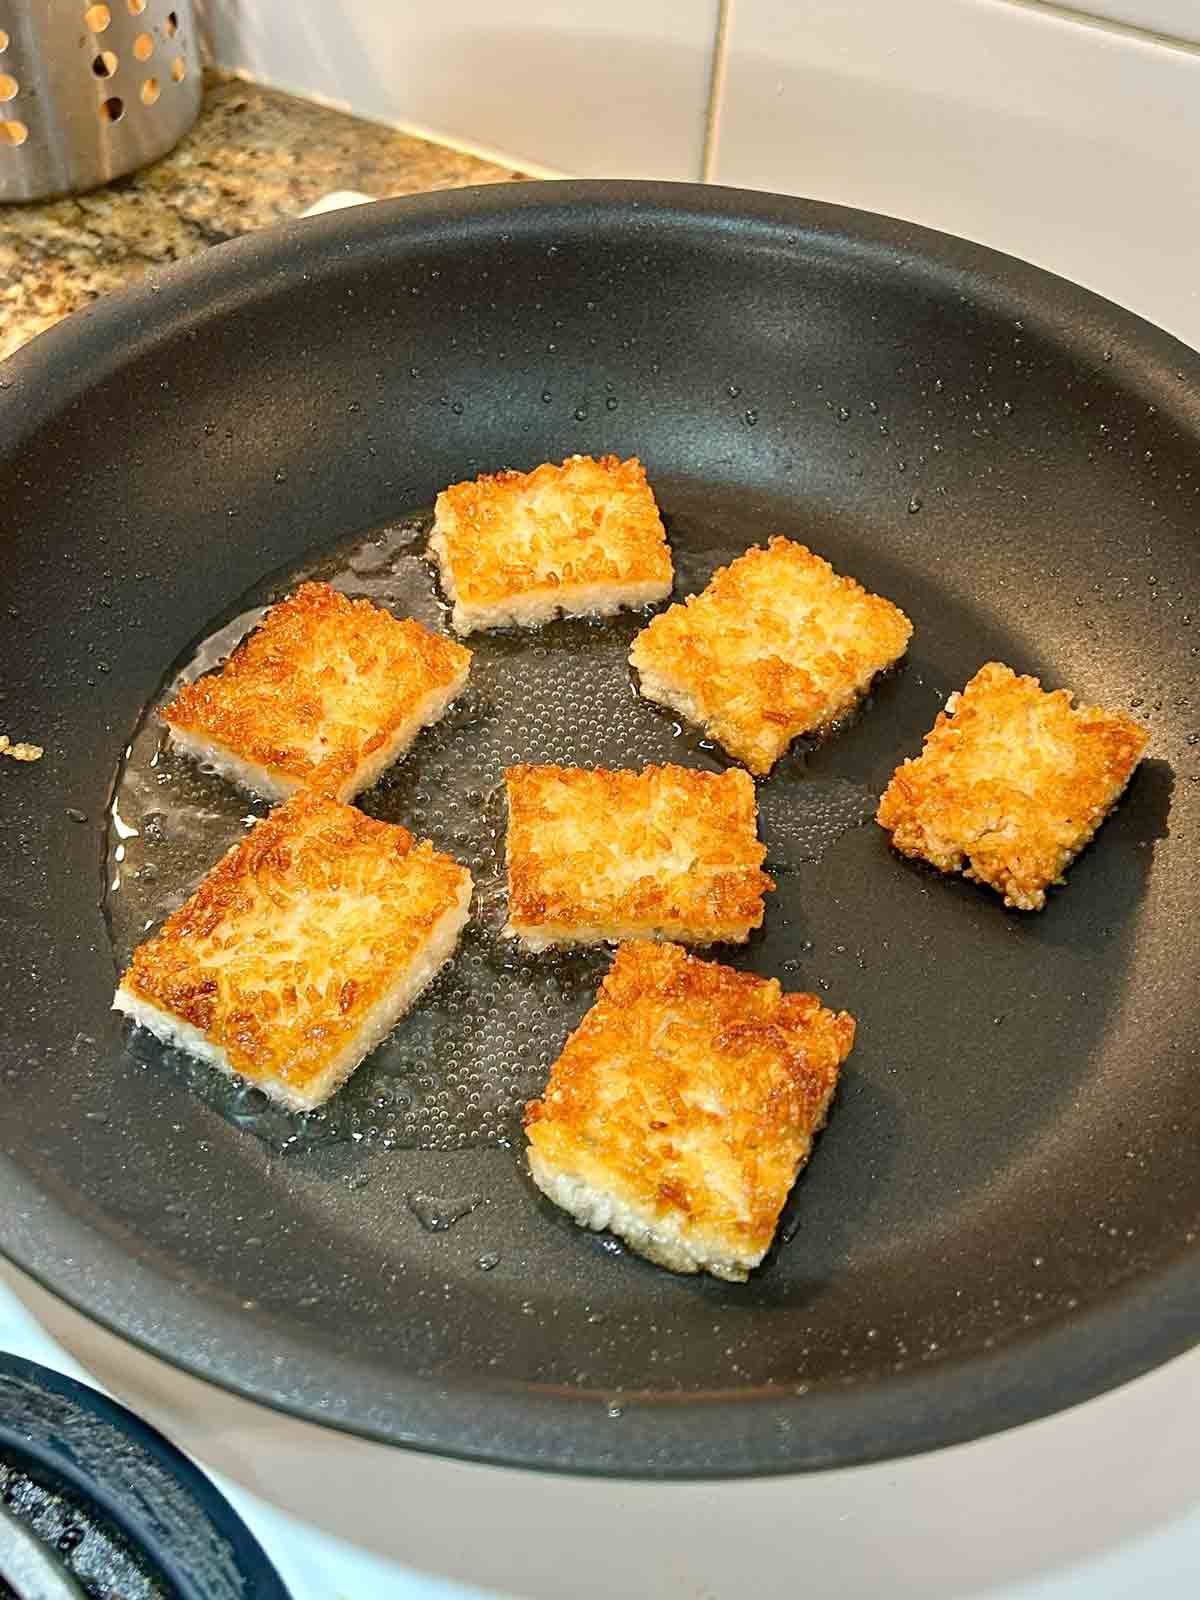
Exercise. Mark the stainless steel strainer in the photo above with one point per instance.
(89, 91)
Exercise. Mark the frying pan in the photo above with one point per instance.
(1000, 1219)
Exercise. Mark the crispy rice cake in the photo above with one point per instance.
(777, 645)
(583, 538)
(667, 852)
(684, 1105)
(325, 694)
(301, 949)
(1011, 784)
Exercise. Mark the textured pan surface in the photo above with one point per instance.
(1000, 1219)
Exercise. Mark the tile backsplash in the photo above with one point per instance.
(1064, 133)
(619, 89)
(1069, 145)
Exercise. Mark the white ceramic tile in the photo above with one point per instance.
(1177, 19)
(618, 89)
(1070, 145)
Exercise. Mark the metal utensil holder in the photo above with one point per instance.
(91, 90)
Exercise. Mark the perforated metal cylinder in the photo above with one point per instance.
(91, 90)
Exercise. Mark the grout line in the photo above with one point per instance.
(1110, 25)
(716, 89)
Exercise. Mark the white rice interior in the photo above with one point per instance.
(375, 1025)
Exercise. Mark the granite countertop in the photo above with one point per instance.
(254, 157)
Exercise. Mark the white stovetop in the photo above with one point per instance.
(1099, 1503)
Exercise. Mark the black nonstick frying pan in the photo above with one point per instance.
(1000, 1219)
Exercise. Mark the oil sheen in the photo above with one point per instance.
(458, 1069)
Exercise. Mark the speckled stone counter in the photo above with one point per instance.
(254, 157)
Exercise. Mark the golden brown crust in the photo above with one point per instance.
(1011, 784)
(777, 645)
(690, 1093)
(295, 935)
(20, 751)
(319, 687)
(583, 524)
(667, 849)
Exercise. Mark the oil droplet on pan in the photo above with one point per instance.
(437, 1213)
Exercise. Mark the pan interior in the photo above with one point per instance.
(457, 1073)
(995, 1170)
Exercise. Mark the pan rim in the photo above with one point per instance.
(1148, 1321)
(660, 1438)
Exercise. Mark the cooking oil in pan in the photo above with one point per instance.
(457, 1070)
